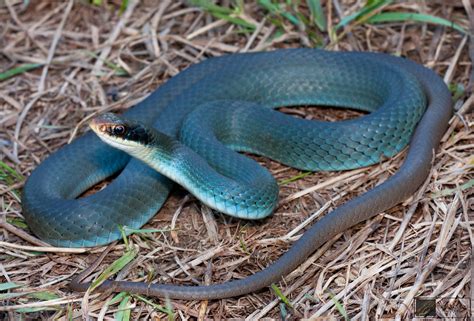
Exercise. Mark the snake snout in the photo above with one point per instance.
(115, 130)
(109, 124)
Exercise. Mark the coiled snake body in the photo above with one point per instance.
(229, 100)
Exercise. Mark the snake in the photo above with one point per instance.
(190, 129)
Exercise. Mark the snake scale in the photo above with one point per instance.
(229, 101)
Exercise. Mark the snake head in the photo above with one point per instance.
(120, 132)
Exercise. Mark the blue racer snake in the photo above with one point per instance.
(228, 101)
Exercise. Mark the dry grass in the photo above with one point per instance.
(373, 271)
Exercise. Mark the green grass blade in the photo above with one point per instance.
(339, 306)
(239, 5)
(118, 298)
(8, 296)
(43, 295)
(9, 285)
(18, 70)
(10, 177)
(235, 20)
(224, 13)
(269, 6)
(293, 19)
(275, 9)
(369, 8)
(457, 91)
(116, 266)
(36, 309)
(210, 7)
(158, 307)
(8, 174)
(123, 6)
(294, 178)
(317, 14)
(124, 236)
(418, 17)
(280, 295)
(244, 246)
(18, 222)
(69, 312)
(283, 311)
(450, 191)
(123, 313)
(371, 2)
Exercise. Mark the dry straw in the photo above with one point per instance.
(61, 63)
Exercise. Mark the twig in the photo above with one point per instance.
(155, 21)
(454, 62)
(448, 228)
(351, 174)
(113, 36)
(44, 248)
(22, 234)
(52, 48)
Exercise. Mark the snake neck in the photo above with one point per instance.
(212, 186)
(159, 153)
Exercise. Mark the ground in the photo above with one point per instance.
(76, 59)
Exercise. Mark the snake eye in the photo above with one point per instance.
(118, 130)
